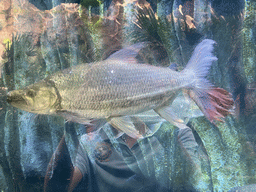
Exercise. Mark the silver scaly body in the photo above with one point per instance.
(117, 88)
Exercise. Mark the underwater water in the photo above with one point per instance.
(55, 150)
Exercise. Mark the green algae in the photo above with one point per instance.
(249, 47)
(225, 146)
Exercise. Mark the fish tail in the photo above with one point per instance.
(215, 103)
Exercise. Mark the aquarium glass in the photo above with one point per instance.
(127, 95)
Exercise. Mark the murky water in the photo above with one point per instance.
(48, 153)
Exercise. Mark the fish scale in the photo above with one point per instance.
(120, 89)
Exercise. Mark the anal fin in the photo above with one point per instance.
(168, 114)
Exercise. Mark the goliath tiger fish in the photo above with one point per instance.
(116, 88)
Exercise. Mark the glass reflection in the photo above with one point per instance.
(50, 153)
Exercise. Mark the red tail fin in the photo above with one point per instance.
(215, 103)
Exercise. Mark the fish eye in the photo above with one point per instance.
(31, 93)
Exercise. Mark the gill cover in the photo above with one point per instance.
(41, 98)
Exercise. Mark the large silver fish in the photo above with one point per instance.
(118, 87)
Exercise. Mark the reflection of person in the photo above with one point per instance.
(106, 163)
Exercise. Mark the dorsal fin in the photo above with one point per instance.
(173, 66)
(128, 53)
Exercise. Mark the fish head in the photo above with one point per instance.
(40, 98)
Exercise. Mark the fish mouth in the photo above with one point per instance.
(14, 98)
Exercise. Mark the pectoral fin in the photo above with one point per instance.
(91, 124)
(74, 117)
(125, 124)
(168, 114)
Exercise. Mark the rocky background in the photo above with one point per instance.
(39, 38)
